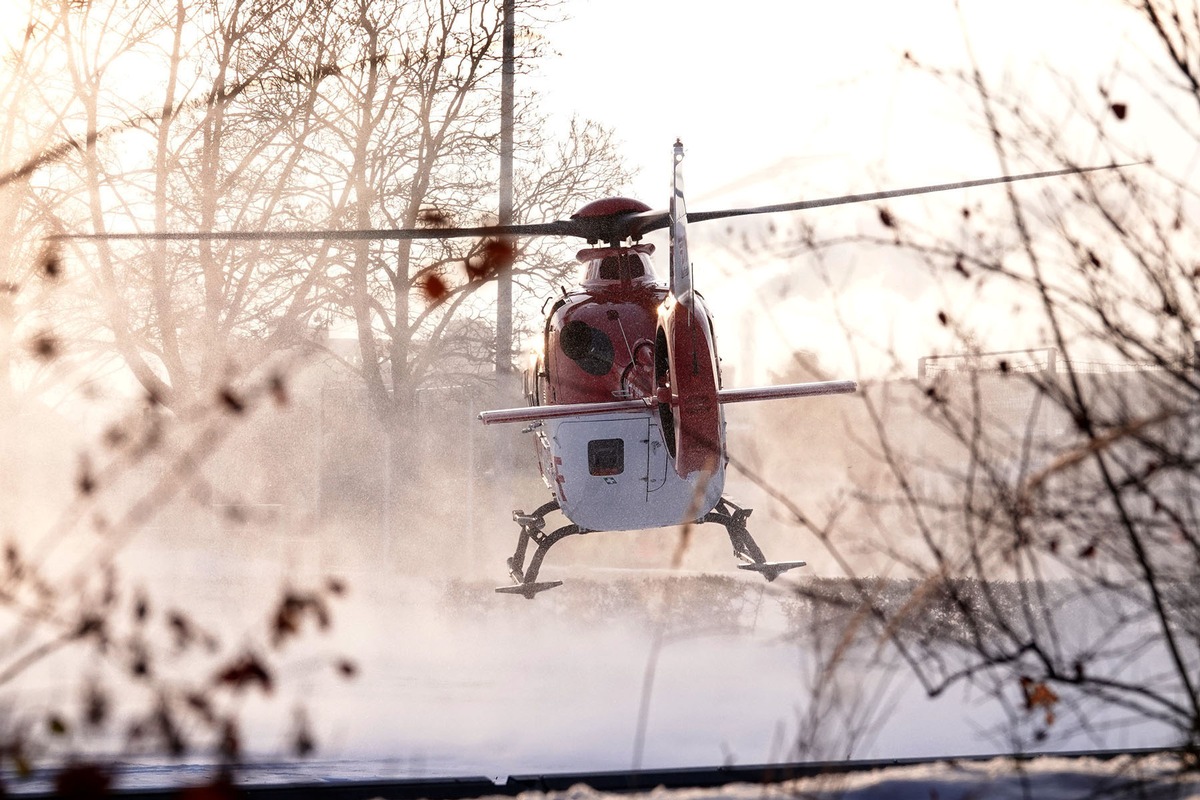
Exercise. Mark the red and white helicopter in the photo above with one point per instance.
(626, 396)
(626, 401)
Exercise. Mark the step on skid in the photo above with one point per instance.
(772, 569)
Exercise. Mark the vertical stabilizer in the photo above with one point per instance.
(681, 266)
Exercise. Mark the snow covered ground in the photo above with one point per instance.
(612, 671)
(1046, 778)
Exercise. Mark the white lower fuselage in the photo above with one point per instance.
(612, 472)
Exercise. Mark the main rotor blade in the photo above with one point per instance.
(612, 228)
(559, 228)
(704, 216)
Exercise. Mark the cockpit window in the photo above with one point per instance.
(618, 263)
(610, 267)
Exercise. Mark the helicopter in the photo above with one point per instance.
(626, 401)
(626, 398)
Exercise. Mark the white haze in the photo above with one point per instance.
(453, 679)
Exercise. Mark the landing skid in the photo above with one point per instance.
(733, 517)
(533, 530)
(726, 512)
(528, 589)
(772, 569)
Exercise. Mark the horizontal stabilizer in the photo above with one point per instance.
(534, 413)
(814, 389)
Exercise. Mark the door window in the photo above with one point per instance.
(606, 456)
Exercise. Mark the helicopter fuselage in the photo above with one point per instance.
(614, 471)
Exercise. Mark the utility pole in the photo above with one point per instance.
(501, 485)
(504, 276)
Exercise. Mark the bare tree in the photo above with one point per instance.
(267, 115)
(408, 104)
(351, 115)
(1043, 498)
(405, 103)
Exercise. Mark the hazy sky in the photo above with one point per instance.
(752, 83)
(783, 100)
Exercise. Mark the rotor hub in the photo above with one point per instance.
(609, 206)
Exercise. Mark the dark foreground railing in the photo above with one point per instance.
(616, 781)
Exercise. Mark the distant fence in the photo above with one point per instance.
(1038, 360)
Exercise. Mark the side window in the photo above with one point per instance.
(606, 456)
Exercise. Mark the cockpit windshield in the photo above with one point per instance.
(624, 264)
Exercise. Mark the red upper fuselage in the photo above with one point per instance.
(600, 338)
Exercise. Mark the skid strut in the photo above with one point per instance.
(533, 530)
(733, 517)
(533, 526)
